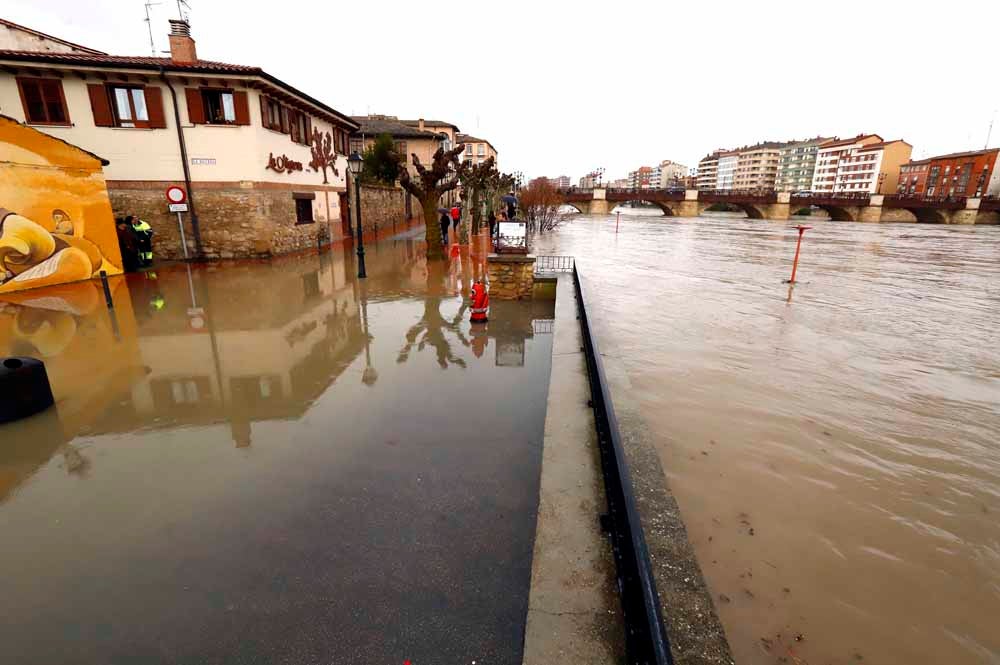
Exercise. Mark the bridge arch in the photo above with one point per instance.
(927, 215)
(752, 211)
(988, 217)
(837, 214)
(662, 205)
(576, 206)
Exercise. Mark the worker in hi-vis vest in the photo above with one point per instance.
(144, 237)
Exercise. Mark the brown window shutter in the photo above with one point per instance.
(309, 132)
(263, 111)
(154, 106)
(285, 120)
(196, 109)
(100, 103)
(242, 107)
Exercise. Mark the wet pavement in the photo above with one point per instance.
(832, 447)
(268, 462)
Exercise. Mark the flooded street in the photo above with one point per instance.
(833, 448)
(270, 462)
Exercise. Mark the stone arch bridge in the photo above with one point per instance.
(846, 207)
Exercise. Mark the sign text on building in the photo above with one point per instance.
(282, 163)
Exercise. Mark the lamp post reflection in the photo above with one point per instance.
(370, 375)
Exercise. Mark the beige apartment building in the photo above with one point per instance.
(264, 164)
(408, 139)
(757, 167)
(449, 130)
(477, 150)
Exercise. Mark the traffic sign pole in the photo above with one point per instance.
(180, 225)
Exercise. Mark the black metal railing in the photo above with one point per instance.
(553, 264)
(646, 641)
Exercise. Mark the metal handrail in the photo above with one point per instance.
(646, 641)
(554, 263)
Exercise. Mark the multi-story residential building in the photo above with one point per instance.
(797, 164)
(619, 183)
(726, 173)
(671, 174)
(757, 166)
(477, 150)
(828, 156)
(562, 182)
(863, 164)
(971, 174)
(449, 130)
(641, 178)
(409, 140)
(913, 178)
(262, 161)
(708, 171)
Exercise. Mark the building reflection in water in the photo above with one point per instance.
(236, 343)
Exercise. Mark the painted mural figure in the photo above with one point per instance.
(42, 253)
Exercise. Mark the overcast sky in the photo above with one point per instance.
(565, 87)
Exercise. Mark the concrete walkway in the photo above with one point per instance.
(573, 607)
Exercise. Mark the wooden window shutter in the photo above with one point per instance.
(307, 140)
(196, 109)
(285, 119)
(264, 122)
(100, 103)
(242, 107)
(154, 106)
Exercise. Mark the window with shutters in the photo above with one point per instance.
(220, 108)
(129, 105)
(43, 101)
(303, 211)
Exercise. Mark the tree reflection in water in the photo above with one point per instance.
(431, 328)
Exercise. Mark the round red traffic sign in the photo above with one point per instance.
(176, 194)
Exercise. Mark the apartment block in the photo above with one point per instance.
(797, 164)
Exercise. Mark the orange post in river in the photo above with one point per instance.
(798, 246)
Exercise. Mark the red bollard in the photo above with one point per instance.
(798, 246)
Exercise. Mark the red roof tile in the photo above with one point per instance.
(142, 62)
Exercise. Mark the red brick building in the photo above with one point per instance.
(971, 174)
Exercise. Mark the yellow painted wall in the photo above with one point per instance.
(58, 226)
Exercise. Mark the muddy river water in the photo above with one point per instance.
(834, 449)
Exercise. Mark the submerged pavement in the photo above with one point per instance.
(269, 462)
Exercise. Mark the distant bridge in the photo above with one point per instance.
(841, 206)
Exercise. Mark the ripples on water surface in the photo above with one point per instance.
(836, 456)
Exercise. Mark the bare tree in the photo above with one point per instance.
(541, 201)
(431, 184)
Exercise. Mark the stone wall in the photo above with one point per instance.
(512, 276)
(382, 207)
(235, 222)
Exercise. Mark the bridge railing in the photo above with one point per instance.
(737, 195)
(923, 201)
(554, 264)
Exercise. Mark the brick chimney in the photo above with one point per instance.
(181, 45)
(420, 124)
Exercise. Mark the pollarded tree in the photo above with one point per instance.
(429, 186)
(476, 182)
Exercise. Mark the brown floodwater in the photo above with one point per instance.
(835, 448)
(274, 462)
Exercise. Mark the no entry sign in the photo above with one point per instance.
(176, 194)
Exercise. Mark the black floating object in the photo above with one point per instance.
(24, 388)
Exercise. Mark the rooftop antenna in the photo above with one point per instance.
(149, 25)
(989, 132)
(181, 6)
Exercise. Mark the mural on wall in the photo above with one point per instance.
(323, 155)
(56, 223)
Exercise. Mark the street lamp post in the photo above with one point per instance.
(354, 163)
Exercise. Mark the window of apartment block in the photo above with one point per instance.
(963, 180)
(481, 150)
(304, 208)
(43, 101)
(217, 106)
